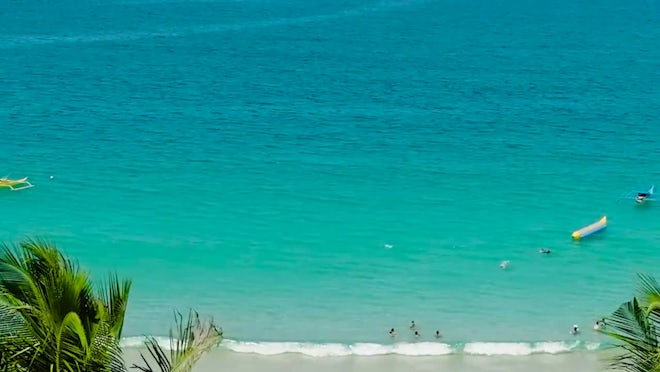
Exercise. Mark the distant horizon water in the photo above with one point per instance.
(314, 174)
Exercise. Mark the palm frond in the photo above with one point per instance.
(189, 341)
(157, 354)
(16, 341)
(649, 293)
(12, 358)
(193, 339)
(62, 323)
(114, 295)
(638, 336)
(15, 276)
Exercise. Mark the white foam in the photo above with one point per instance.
(497, 348)
(423, 348)
(275, 348)
(138, 342)
(368, 349)
(374, 349)
(517, 348)
(591, 346)
(334, 349)
(554, 347)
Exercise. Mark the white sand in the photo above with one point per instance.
(223, 360)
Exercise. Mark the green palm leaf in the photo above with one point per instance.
(115, 295)
(635, 324)
(57, 318)
(188, 343)
(14, 341)
(630, 325)
(649, 293)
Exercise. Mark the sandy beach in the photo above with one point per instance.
(224, 360)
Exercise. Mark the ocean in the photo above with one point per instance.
(312, 174)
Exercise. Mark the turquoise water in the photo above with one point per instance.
(319, 172)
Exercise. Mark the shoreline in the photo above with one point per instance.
(217, 359)
(403, 348)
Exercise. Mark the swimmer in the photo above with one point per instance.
(504, 264)
(544, 251)
(412, 325)
(52, 177)
(416, 334)
(392, 332)
(388, 246)
(437, 334)
(575, 330)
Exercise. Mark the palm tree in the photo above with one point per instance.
(188, 344)
(51, 316)
(636, 325)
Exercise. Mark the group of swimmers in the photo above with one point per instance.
(575, 330)
(413, 328)
(600, 324)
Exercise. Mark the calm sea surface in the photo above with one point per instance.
(319, 172)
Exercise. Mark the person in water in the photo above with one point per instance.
(416, 334)
(437, 334)
(412, 325)
(575, 330)
(544, 251)
(392, 332)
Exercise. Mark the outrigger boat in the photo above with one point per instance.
(15, 185)
(643, 196)
(640, 197)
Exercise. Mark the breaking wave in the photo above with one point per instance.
(404, 348)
